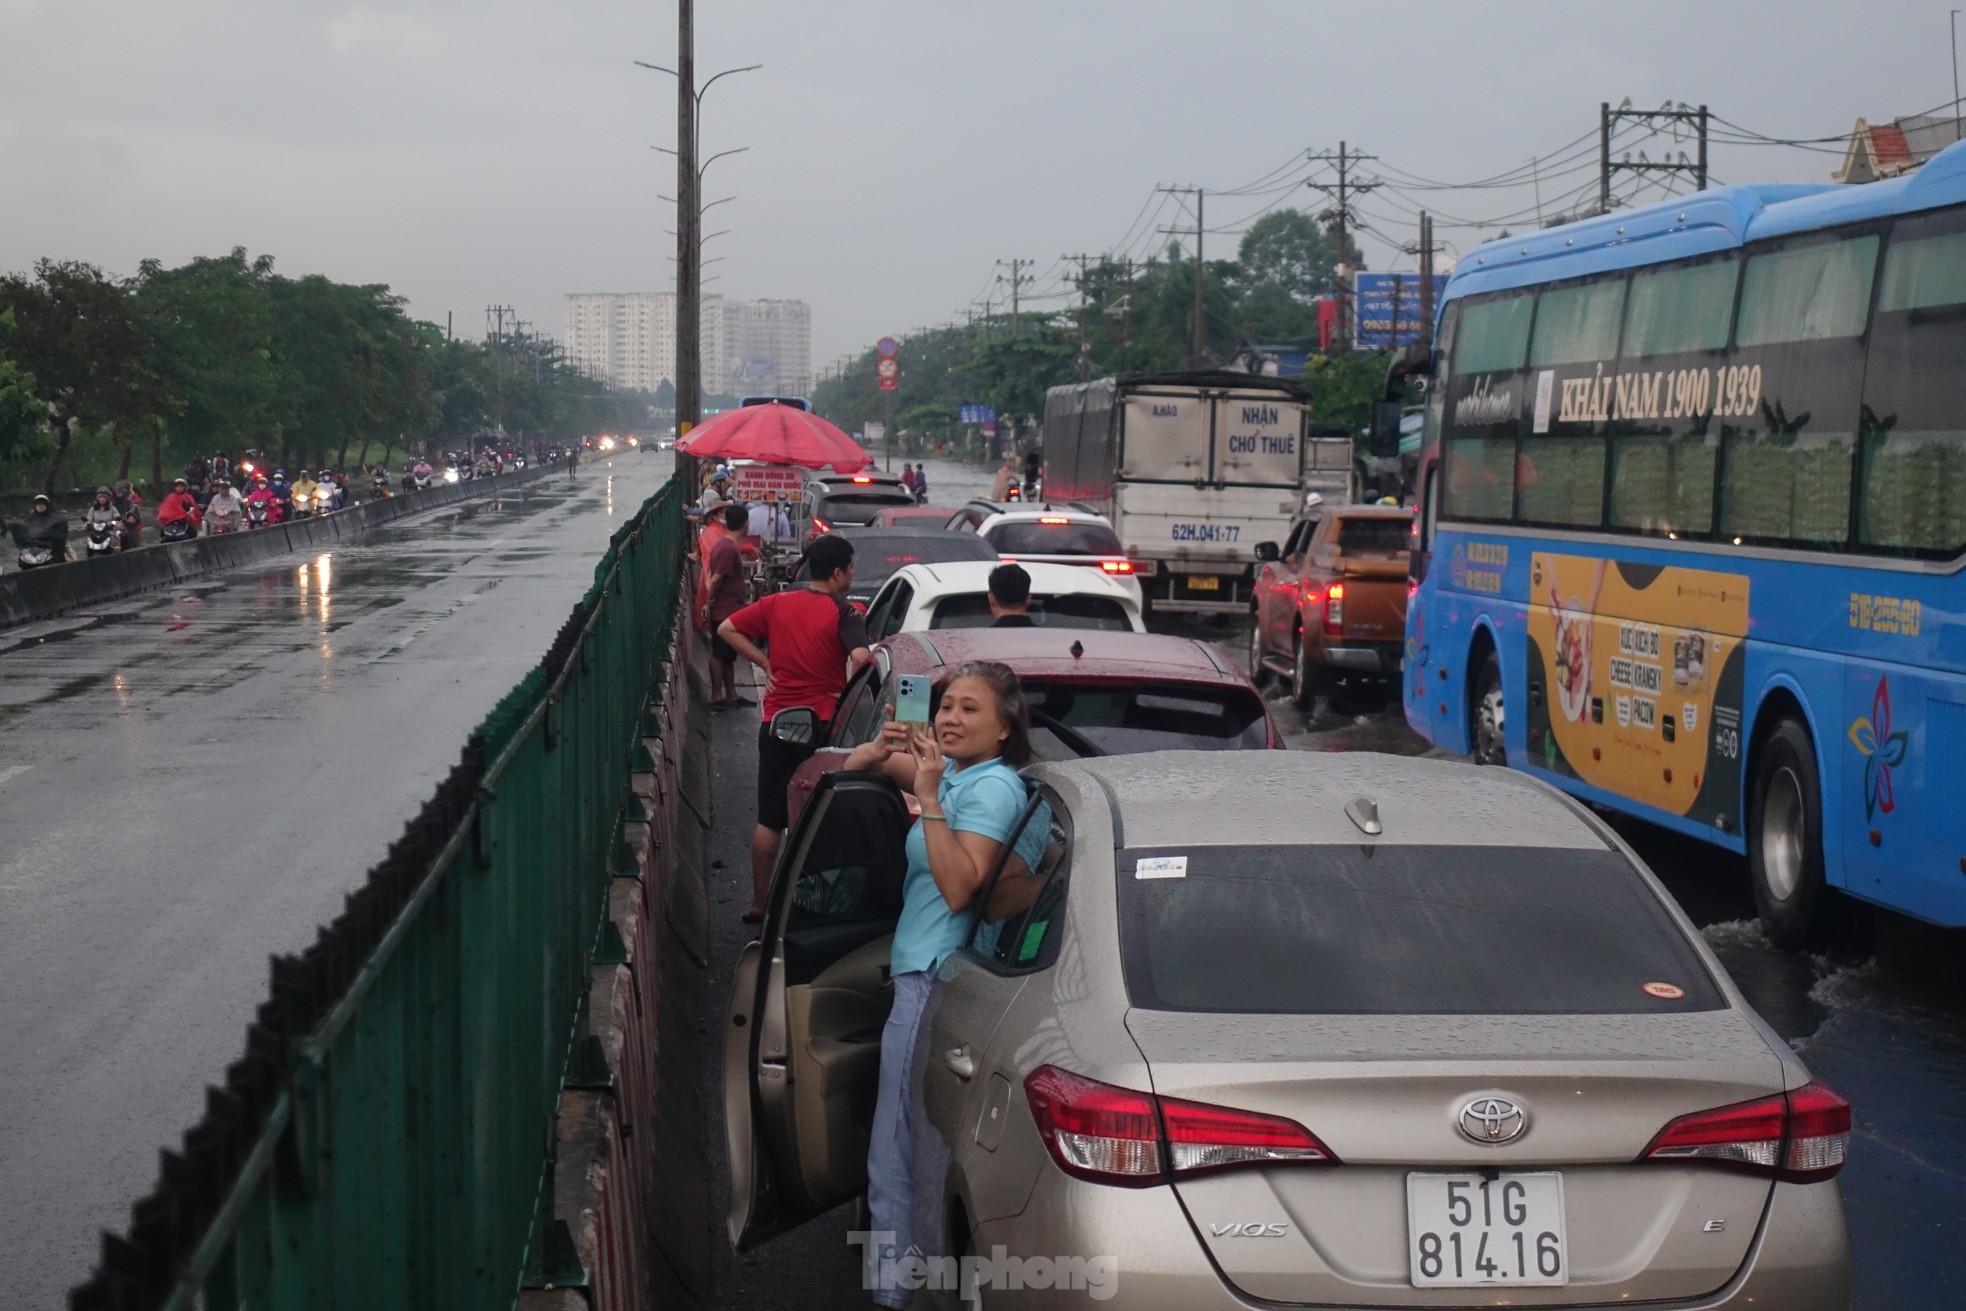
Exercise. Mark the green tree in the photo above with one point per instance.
(76, 333)
(20, 408)
(1289, 251)
(211, 325)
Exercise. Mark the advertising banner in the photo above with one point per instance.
(1374, 299)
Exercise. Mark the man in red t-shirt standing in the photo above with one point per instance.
(723, 572)
(813, 640)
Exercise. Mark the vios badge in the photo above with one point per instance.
(1492, 1121)
(1251, 1229)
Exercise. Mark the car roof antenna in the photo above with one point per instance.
(1078, 650)
(1364, 812)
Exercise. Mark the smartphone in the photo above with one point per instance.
(911, 699)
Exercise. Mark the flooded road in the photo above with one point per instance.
(191, 780)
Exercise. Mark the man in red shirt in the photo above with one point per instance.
(723, 572)
(813, 639)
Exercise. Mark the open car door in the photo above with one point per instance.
(802, 1037)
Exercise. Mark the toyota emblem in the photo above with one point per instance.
(1492, 1121)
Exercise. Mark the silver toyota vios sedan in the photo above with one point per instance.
(1277, 1028)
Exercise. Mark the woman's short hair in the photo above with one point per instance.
(1013, 712)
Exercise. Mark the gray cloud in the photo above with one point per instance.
(493, 150)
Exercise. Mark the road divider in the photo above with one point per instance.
(55, 590)
(478, 1086)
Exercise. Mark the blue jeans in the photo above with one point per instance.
(891, 1156)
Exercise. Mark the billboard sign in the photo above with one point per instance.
(977, 416)
(1386, 309)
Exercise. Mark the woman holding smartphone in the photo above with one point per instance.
(964, 773)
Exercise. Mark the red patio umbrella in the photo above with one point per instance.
(776, 434)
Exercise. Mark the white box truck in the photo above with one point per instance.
(1192, 468)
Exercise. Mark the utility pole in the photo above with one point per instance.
(1200, 347)
(1672, 113)
(689, 217)
(1341, 222)
(1018, 280)
(1085, 343)
(495, 333)
(1426, 280)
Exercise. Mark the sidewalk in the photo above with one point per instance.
(811, 1267)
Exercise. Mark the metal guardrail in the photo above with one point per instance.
(385, 1139)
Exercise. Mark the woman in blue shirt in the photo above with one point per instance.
(964, 774)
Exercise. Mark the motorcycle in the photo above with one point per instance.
(178, 530)
(103, 537)
(379, 487)
(256, 514)
(35, 555)
(222, 523)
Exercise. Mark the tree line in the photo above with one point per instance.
(100, 374)
(1128, 317)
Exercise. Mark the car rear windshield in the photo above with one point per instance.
(1383, 929)
(972, 610)
(875, 561)
(1071, 721)
(1384, 536)
(860, 505)
(1029, 537)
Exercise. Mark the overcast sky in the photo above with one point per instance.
(476, 151)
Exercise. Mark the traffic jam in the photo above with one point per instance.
(1434, 1033)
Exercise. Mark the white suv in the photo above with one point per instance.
(1047, 534)
(955, 594)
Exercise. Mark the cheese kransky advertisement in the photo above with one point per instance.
(1635, 681)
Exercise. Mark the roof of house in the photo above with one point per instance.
(1885, 150)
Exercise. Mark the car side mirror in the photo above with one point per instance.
(796, 724)
(1267, 553)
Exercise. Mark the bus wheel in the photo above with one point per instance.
(1785, 839)
(1485, 741)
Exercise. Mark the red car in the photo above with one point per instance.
(1091, 693)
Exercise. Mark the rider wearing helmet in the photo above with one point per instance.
(42, 527)
(180, 510)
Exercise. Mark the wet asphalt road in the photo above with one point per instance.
(190, 781)
(1890, 1036)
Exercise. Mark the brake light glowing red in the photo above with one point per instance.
(1798, 1137)
(1117, 566)
(1053, 519)
(862, 478)
(1112, 1135)
(820, 525)
(1334, 609)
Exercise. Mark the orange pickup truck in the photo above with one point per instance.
(1330, 603)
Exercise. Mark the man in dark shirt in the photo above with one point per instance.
(1010, 597)
(724, 575)
(812, 640)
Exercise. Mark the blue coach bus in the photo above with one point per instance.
(1692, 541)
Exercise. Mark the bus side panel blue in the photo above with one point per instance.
(1814, 680)
(1895, 789)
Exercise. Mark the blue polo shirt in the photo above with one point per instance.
(985, 798)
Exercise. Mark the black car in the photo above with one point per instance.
(837, 499)
(878, 552)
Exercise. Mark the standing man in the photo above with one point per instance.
(573, 459)
(1010, 597)
(767, 522)
(813, 639)
(723, 568)
(1006, 475)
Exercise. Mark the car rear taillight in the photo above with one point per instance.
(1053, 519)
(1800, 1137)
(820, 525)
(1334, 609)
(1111, 1135)
(1117, 566)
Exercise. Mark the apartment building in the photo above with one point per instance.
(629, 339)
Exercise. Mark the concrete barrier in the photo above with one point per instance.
(62, 589)
(630, 1184)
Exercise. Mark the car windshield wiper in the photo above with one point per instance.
(1072, 738)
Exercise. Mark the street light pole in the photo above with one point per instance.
(689, 214)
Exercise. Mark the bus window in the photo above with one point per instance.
(1480, 477)
(1494, 334)
(1913, 461)
(1810, 293)
(1671, 311)
(1787, 464)
(1662, 469)
(1578, 325)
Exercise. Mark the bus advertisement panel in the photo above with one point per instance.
(1692, 541)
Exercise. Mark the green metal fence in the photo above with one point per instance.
(384, 1141)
